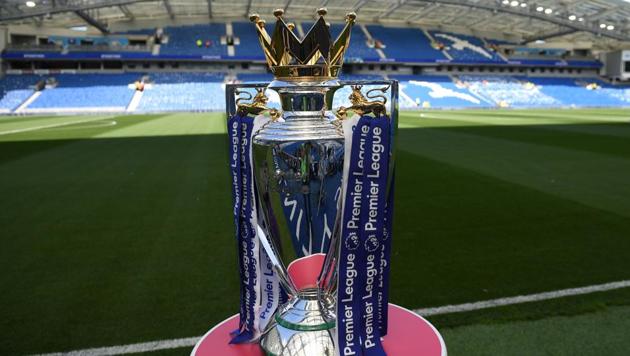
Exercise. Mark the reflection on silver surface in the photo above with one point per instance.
(298, 164)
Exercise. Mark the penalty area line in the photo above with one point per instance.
(447, 309)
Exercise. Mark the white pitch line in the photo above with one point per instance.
(9, 132)
(458, 308)
(447, 309)
(132, 348)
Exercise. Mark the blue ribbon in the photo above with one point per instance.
(239, 134)
(351, 254)
(372, 222)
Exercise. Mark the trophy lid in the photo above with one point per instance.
(314, 58)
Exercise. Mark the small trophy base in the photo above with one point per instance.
(304, 326)
(409, 334)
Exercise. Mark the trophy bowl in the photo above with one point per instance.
(298, 168)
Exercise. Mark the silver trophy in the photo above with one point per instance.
(298, 160)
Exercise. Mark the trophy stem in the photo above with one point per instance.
(303, 326)
(298, 167)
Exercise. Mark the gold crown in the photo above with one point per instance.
(314, 57)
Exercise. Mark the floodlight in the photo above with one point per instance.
(602, 25)
(540, 9)
(610, 27)
(548, 11)
(30, 4)
(514, 3)
(572, 17)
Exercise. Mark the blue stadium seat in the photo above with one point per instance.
(507, 91)
(15, 89)
(575, 92)
(465, 48)
(255, 77)
(182, 77)
(435, 92)
(405, 44)
(182, 40)
(358, 50)
(81, 91)
(249, 46)
(184, 92)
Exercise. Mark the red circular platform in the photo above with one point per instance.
(409, 334)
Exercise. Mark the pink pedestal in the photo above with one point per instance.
(409, 335)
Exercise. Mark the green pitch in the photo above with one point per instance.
(117, 229)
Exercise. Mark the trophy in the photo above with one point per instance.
(297, 164)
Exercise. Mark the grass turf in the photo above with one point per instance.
(116, 229)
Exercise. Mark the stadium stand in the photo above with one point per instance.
(435, 92)
(405, 44)
(183, 40)
(254, 77)
(14, 90)
(204, 92)
(183, 92)
(465, 48)
(582, 93)
(504, 91)
(85, 92)
(247, 48)
(358, 50)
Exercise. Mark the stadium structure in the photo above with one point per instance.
(512, 212)
(91, 56)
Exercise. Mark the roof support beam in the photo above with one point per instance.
(391, 9)
(169, 8)
(359, 5)
(249, 8)
(486, 20)
(548, 35)
(92, 21)
(41, 11)
(209, 8)
(603, 13)
(125, 10)
(527, 12)
(286, 6)
(423, 12)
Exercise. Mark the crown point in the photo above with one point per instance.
(351, 16)
(278, 13)
(254, 18)
(322, 11)
(291, 26)
(261, 23)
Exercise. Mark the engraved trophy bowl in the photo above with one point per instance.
(298, 166)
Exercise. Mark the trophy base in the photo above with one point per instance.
(304, 326)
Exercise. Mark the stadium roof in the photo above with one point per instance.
(604, 23)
